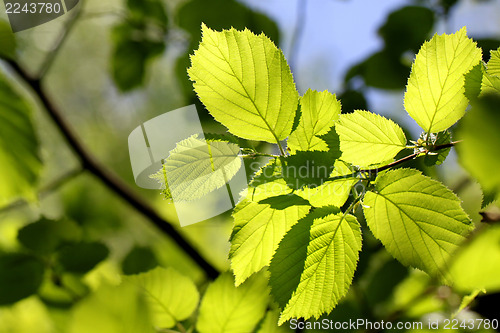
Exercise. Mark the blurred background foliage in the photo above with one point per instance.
(67, 240)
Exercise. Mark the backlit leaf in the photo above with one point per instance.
(319, 112)
(196, 167)
(419, 220)
(314, 264)
(435, 92)
(171, 296)
(367, 138)
(477, 265)
(245, 83)
(258, 229)
(229, 309)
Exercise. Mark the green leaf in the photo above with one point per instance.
(245, 83)
(82, 257)
(7, 41)
(494, 62)
(407, 28)
(307, 168)
(19, 157)
(191, 14)
(479, 151)
(437, 157)
(227, 309)
(477, 265)
(258, 229)
(319, 112)
(171, 296)
(20, 276)
(121, 309)
(143, 10)
(473, 81)
(332, 192)
(314, 264)
(139, 260)
(131, 55)
(196, 167)
(419, 220)
(367, 138)
(435, 93)
(467, 300)
(45, 236)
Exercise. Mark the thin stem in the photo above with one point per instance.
(282, 151)
(409, 157)
(46, 190)
(113, 182)
(256, 154)
(50, 58)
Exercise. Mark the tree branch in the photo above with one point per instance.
(107, 177)
(409, 157)
(46, 190)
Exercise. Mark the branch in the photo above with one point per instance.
(409, 157)
(46, 190)
(50, 58)
(107, 177)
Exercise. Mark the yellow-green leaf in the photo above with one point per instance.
(367, 138)
(319, 112)
(245, 83)
(435, 92)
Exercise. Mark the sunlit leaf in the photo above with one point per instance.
(419, 221)
(171, 296)
(367, 138)
(229, 309)
(435, 92)
(477, 265)
(196, 167)
(314, 264)
(245, 83)
(319, 112)
(258, 228)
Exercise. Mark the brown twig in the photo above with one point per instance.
(113, 182)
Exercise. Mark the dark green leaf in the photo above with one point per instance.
(45, 236)
(407, 28)
(438, 157)
(308, 168)
(82, 257)
(144, 10)
(20, 276)
(138, 260)
(129, 58)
